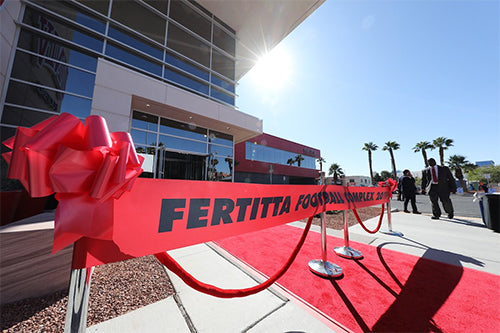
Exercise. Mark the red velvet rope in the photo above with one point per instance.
(205, 288)
(363, 226)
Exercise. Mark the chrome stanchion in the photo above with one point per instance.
(322, 266)
(78, 299)
(346, 251)
(389, 231)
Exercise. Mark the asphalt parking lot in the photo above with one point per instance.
(463, 205)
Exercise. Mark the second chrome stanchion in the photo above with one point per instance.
(322, 266)
(346, 251)
(389, 231)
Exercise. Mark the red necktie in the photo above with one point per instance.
(434, 176)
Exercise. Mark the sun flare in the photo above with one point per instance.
(273, 70)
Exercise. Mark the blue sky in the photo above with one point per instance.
(404, 71)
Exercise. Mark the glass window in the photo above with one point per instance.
(222, 96)
(100, 6)
(223, 83)
(55, 50)
(144, 121)
(180, 78)
(190, 131)
(74, 14)
(133, 59)
(188, 45)
(141, 45)
(139, 18)
(223, 65)
(220, 169)
(220, 138)
(58, 28)
(160, 5)
(171, 142)
(186, 66)
(52, 74)
(220, 150)
(139, 137)
(255, 152)
(224, 40)
(191, 19)
(23, 117)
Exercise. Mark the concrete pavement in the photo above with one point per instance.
(461, 241)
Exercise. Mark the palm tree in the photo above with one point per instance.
(442, 143)
(391, 146)
(290, 161)
(458, 163)
(336, 171)
(299, 159)
(422, 146)
(321, 160)
(369, 147)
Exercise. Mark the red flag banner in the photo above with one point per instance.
(112, 215)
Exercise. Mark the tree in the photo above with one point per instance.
(442, 143)
(391, 146)
(369, 147)
(377, 178)
(290, 161)
(477, 174)
(384, 174)
(422, 146)
(336, 171)
(321, 160)
(458, 163)
(299, 159)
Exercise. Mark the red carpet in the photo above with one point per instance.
(386, 291)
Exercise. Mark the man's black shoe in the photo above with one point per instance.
(450, 216)
(406, 211)
(416, 212)
(435, 217)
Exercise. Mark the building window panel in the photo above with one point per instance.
(139, 137)
(145, 121)
(220, 169)
(136, 43)
(179, 144)
(133, 59)
(188, 45)
(140, 19)
(23, 117)
(189, 18)
(52, 49)
(222, 96)
(223, 84)
(101, 6)
(182, 79)
(220, 150)
(220, 138)
(223, 65)
(186, 66)
(52, 74)
(72, 13)
(61, 29)
(160, 5)
(176, 128)
(225, 41)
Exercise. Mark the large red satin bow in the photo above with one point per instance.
(86, 165)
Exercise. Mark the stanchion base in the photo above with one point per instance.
(392, 232)
(324, 268)
(348, 252)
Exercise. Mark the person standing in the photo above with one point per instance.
(438, 182)
(409, 191)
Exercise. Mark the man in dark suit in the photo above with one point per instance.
(438, 182)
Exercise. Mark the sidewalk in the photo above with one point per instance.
(275, 310)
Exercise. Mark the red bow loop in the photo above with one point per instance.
(86, 165)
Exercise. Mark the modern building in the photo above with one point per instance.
(267, 159)
(357, 180)
(165, 71)
(485, 163)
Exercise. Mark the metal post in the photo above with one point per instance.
(389, 231)
(78, 299)
(346, 251)
(322, 266)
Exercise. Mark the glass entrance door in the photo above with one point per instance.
(174, 165)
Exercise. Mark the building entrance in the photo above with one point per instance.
(174, 165)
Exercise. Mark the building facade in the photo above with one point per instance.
(267, 159)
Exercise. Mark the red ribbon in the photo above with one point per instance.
(86, 165)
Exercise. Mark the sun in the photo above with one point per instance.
(273, 70)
